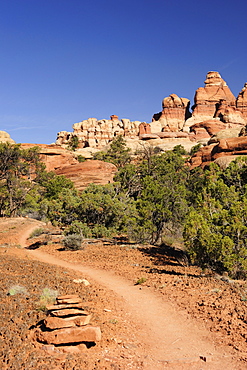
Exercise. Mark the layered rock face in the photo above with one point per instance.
(223, 152)
(215, 108)
(53, 156)
(97, 134)
(175, 111)
(91, 171)
(63, 162)
(215, 101)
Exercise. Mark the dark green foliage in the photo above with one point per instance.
(18, 169)
(158, 186)
(73, 143)
(72, 242)
(215, 230)
(118, 153)
(81, 159)
(195, 149)
(77, 227)
(179, 149)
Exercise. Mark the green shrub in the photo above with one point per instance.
(100, 231)
(48, 296)
(72, 242)
(141, 281)
(36, 232)
(195, 149)
(81, 159)
(79, 228)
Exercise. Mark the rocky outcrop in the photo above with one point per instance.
(53, 156)
(214, 101)
(64, 162)
(225, 134)
(5, 138)
(175, 111)
(216, 114)
(97, 134)
(91, 171)
(209, 129)
(241, 102)
(232, 147)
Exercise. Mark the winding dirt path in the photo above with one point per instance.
(171, 339)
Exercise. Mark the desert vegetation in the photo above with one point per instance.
(155, 199)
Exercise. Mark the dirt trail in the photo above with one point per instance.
(171, 339)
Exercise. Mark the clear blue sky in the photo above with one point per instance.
(63, 61)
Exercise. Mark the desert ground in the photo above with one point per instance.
(154, 311)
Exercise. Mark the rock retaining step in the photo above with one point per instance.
(68, 323)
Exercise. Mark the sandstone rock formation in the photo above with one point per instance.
(97, 134)
(232, 147)
(174, 113)
(5, 138)
(64, 162)
(241, 102)
(216, 114)
(53, 156)
(91, 171)
(214, 101)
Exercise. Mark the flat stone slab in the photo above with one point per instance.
(58, 323)
(69, 300)
(68, 296)
(71, 335)
(69, 311)
(51, 307)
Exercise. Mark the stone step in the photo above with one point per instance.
(69, 300)
(68, 311)
(71, 335)
(58, 323)
(52, 307)
(68, 296)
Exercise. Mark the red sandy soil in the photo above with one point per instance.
(177, 319)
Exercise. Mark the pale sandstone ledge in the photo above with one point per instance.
(5, 138)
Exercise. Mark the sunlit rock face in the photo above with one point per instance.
(215, 101)
(215, 109)
(97, 134)
(5, 138)
(241, 102)
(175, 111)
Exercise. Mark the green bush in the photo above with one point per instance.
(100, 231)
(72, 242)
(81, 159)
(36, 232)
(79, 228)
(195, 149)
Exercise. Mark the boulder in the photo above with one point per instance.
(224, 134)
(70, 335)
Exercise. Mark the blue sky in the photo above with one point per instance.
(62, 61)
